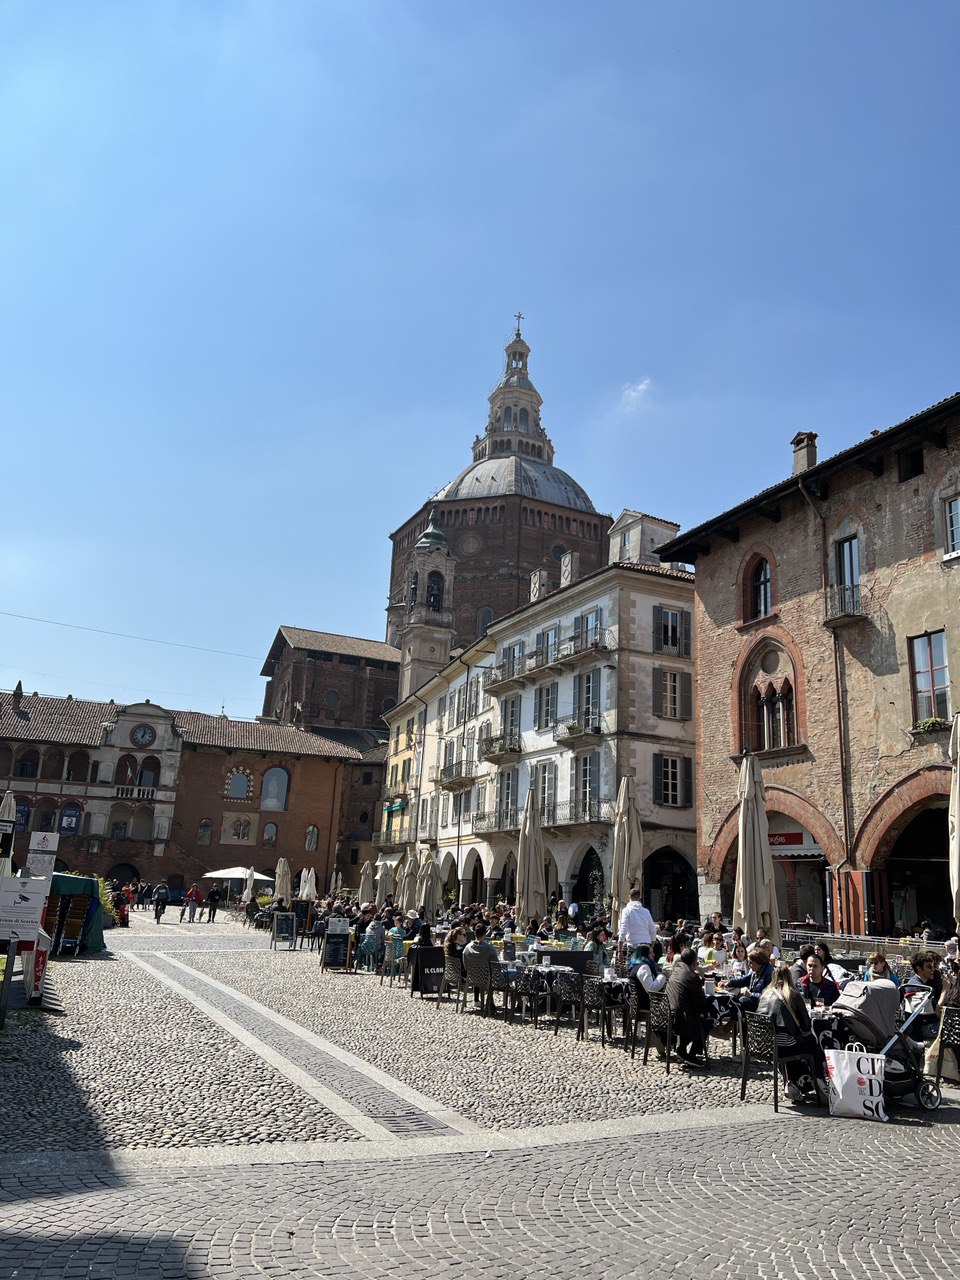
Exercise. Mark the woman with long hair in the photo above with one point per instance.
(798, 1049)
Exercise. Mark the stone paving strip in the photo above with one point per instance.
(132, 1065)
(502, 1076)
(777, 1201)
(375, 1103)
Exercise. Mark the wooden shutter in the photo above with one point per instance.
(657, 778)
(686, 695)
(657, 629)
(687, 780)
(659, 677)
(578, 626)
(591, 708)
(550, 703)
(577, 698)
(538, 707)
(685, 633)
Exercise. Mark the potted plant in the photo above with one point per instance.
(932, 724)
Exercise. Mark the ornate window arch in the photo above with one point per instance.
(768, 703)
(758, 585)
(239, 784)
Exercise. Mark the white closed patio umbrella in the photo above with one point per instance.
(531, 886)
(627, 850)
(8, 813)
(408, 883)
(249, 887)
(366, 882)
(953, 853)
(385, 881)
(429, 889)
(755, 893)
(284, 888)
(309, 891)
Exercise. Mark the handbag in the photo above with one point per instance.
(856, 1083)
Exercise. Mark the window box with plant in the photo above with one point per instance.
(931, 724)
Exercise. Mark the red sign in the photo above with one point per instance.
(785, 837)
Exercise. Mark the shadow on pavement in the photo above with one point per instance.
(94, 1255)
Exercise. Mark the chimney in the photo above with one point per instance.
(569, 568)
(18, 695)
(804, 451)
(539, 584)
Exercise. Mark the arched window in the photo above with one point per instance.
(148, 774)
(78, 766)
(28, 766)
(414, 583)
(205, 831)
(69, 824)
(239, 787)
(241, 829)
(769, 720)
(507, 418)
(310, 843)
(760, 590)
(270, 835)
(435, 590)
(125, 774)
(484, 619)
(273, 794)
(524, 420)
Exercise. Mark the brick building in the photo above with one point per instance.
(140, 790)
(509, 513)
(316, 679)
(826, 629)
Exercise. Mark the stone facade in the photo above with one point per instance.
(816, 669)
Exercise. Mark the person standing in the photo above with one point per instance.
(637, 925)
(194, 898)
(213, 902)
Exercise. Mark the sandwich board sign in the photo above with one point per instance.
(21, 906)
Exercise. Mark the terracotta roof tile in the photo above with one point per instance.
(203, 730)
(301, 638)
(66, 721)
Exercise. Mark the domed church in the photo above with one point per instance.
(507, 514)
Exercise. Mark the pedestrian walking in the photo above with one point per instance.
(194, 898)
(213, 901)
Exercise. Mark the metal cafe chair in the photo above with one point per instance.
(659, 1026)
(760, 1043)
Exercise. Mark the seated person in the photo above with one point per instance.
(926, 974)
(595, 947)
(878, 969)
(480, 950)
(748, 989)
(763, 938)
(717, 952)
(798, 969)
(797, 1047)
(817, 985)
(688, 1004)
(645, 967)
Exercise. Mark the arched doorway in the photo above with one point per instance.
(670, 886)
(506, 886)
(917, 872)
(590, 885)
(124, 872)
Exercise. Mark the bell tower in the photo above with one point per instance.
(425, 631)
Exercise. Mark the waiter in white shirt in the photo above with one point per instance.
(636, 925)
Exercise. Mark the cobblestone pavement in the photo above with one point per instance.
(679, 1179)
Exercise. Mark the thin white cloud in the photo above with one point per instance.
(633, 395)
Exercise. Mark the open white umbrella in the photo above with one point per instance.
(755, 892)
(385, 881)
(284, 888)
(531, 886)
(627, 849)
(366, 882)
(408, 883)
(8, 813)
(237, 873)
(953, 854)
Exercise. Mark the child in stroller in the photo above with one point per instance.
(866, 1014)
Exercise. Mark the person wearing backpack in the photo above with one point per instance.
(161, 897)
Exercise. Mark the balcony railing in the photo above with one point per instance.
(390, 839)
(135, 793)
(416, 615)
(505, 746)
(570, 813)
(394, 791)
(503, 819)
(457, 775)
(842, 605)
(576, 732)
(567, 651)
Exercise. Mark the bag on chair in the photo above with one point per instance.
(856, 1084)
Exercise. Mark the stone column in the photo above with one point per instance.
(491, 886)
(464, 893)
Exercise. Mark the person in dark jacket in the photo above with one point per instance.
(749, 989)
(801, 1057)
(688, 1004)
(817, 983)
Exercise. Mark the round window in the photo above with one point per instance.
(559, 552)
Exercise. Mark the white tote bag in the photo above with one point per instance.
(856, 1083)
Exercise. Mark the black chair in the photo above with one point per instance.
(479, 980)
(452, 979)
(760, 1043)
(659, 1026)
(528, 990)
(949, 1037)
(596, 1000)
(568, 990)
(502, 980)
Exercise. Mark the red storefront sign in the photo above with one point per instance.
(785, 837)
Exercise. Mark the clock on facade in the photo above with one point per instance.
(143, 735)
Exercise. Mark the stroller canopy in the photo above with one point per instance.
(877, 1001)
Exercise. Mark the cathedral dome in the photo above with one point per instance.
(529, 477)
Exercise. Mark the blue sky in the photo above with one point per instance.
(258, 263)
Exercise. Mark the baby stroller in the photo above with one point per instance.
(866, 1014)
